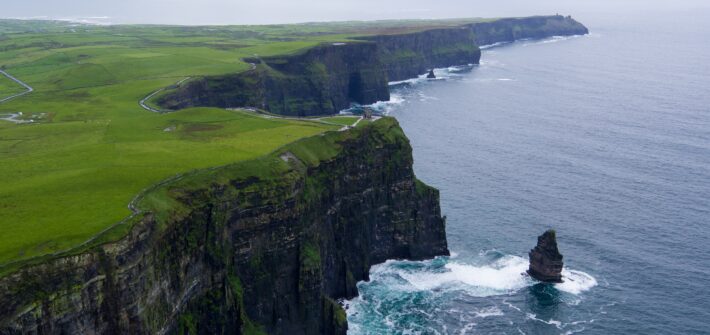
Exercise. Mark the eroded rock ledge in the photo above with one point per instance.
(260, 246)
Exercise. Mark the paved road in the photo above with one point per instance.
(27, 87)
(151, 109)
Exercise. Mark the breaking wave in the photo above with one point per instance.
(397, 96)
(553, 39)
(425, 297)
(505, 275)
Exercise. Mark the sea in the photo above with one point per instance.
(604, 138)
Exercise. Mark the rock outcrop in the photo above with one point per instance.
(329, 77)
(545, 259)
(258, 247)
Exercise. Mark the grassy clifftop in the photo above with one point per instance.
(64, 182)
(265, 244)
(86, 147)
(77, 150)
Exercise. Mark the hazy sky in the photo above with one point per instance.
(286, 11)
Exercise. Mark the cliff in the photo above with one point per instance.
(321, 80)
(408, 55)
(535, 27)
(257, 247)
(328, 78)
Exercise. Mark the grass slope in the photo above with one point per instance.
(9, 87)
(91, 148)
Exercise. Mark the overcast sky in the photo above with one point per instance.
(288, 11)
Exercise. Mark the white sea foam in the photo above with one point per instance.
(488, 46)
(496, 274)
(488, 312)
(381, 107)
(576, 282)
(440, 73)
(406, 81)
(553, 39)
(502, 276)
(557, 324)
(385, 106)
(466, 328)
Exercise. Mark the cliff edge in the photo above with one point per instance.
(331, 76)
(264, 246)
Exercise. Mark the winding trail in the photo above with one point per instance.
(133, 204)
(151, 109)
(265, 115)
(28, 88)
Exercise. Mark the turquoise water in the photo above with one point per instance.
(605, 138)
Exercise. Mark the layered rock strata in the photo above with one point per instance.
(545, 259)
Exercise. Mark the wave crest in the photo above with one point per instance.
(505, 275)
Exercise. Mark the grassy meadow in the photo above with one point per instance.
(91, 148)
(9, 87)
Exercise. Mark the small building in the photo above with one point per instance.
(367, 113)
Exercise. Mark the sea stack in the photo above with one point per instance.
(545, 259)
(431, 75)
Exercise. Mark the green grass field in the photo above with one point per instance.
(9, 87)
(91, 148)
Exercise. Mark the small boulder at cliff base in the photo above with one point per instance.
(431, 75)
(545, 259)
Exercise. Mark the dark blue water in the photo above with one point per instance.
(605, 138)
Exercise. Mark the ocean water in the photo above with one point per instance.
(605, 138)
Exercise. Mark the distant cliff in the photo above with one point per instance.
(535, 27)
(328, 78)
(408, 55)
(321, 80)
(257, 247)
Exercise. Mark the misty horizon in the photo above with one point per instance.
(222, 12)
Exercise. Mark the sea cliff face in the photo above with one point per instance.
(536, 27)
(408, 55)
(257, 247)
(328, 78)
(321, 80)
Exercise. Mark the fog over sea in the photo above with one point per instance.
(605, 138)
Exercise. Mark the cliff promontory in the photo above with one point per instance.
(331, 76)
(264, 246)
